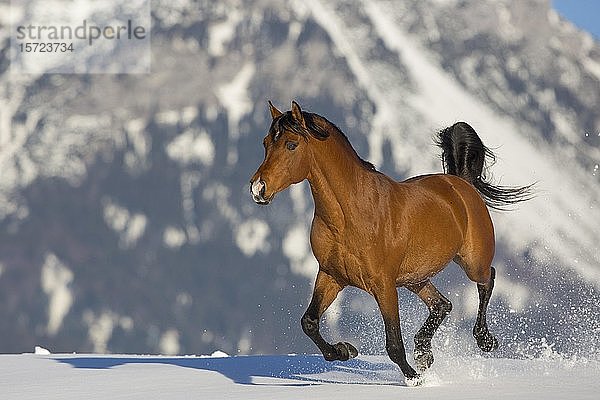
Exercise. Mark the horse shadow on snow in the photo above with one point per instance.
(305, 369)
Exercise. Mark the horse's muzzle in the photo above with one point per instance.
(257, 190)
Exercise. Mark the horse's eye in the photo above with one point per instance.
(291, 145)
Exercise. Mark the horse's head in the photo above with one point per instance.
(287, 153)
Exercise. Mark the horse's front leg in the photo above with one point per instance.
(325, 291)
(387, 299)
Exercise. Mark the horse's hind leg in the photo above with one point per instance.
(485, 340)
(439, 307)
(484, 277)
(325, 291)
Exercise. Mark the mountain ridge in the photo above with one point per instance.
(137, 185)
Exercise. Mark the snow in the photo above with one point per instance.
(136, 159)
(221, 33)
(129, 226)
(169, 342)
(188, 182)
(592, 66)
(252, 237)
(296, 248)
(40, 351)
(167, 117)
(174, 237)
(92, 377)
(192, 147)
(235, 96)
(516, 294)
(55, 281)
(219, 194)
(100, 328)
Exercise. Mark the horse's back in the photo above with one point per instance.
(472, 222)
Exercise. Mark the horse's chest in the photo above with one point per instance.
(327, 249)
(348, 264)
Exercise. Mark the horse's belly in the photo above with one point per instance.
(419, 267)
(429, 250)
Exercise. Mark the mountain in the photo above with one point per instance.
(126, 223)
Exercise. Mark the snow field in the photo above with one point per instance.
(31, 376)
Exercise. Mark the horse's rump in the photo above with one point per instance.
(446, 217)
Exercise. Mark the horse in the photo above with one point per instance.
(376, 234)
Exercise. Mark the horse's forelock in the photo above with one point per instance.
(317, 126)
(287, 122)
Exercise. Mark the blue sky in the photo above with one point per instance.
(583, 13)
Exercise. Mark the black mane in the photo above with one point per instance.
(286, 121)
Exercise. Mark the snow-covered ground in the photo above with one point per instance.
(78, 376)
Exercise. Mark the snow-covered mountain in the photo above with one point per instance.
(126, 224)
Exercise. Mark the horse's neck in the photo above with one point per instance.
(336, 180)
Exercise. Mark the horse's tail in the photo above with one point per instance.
(465, 155)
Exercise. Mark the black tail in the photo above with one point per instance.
(464, 155)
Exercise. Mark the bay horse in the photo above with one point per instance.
(377, 234)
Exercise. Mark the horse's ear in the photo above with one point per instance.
(297, 114)
(274, 111)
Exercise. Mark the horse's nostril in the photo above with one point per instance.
(258, 188)
(262, 189)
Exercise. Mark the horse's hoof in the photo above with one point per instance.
(345, 351)
(487, 343)
(352, 351)
(414, 381)
(423, 359)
